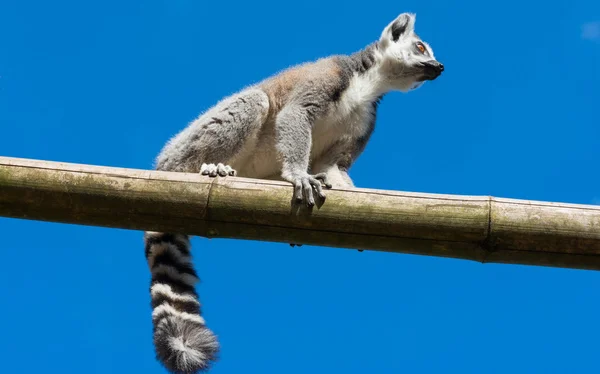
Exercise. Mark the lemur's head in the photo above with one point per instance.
(407, 61)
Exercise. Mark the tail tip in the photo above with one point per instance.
(184, 346)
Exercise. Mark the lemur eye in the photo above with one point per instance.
(421, 47)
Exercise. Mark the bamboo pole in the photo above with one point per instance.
(478, 228)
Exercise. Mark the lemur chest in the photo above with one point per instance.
(351, 116)
(342, 121)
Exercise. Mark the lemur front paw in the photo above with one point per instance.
(304, 184)
(220, 169)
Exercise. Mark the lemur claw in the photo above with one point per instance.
(219, 169)
(295, 245)
(303, 188)
(323, 177)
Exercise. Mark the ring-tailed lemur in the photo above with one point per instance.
(305, 125)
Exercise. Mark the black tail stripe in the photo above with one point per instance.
(167, 258)
(176, 285)
(147, 249)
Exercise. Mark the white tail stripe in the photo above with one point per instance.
(188, 279)
(165, 290)
(168, 309)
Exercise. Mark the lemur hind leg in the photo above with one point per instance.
(213, 170)
(212, 140)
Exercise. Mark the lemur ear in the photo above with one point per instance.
(404, 24)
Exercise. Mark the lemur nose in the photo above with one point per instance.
(441, 67)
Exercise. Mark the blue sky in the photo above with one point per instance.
(514, 115)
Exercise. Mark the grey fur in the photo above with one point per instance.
(218, 135)
(306, 125)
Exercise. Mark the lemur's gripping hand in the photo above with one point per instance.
(304, 184)
(293, 127)
(220, 169)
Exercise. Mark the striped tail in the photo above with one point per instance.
(183, 343)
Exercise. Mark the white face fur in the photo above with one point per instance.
(406, 60)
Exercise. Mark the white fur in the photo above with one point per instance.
(168, 309)
(165, 290)
(365, 88)
(189, 356)
(190, 348)
(362, 90)
(350, 115)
